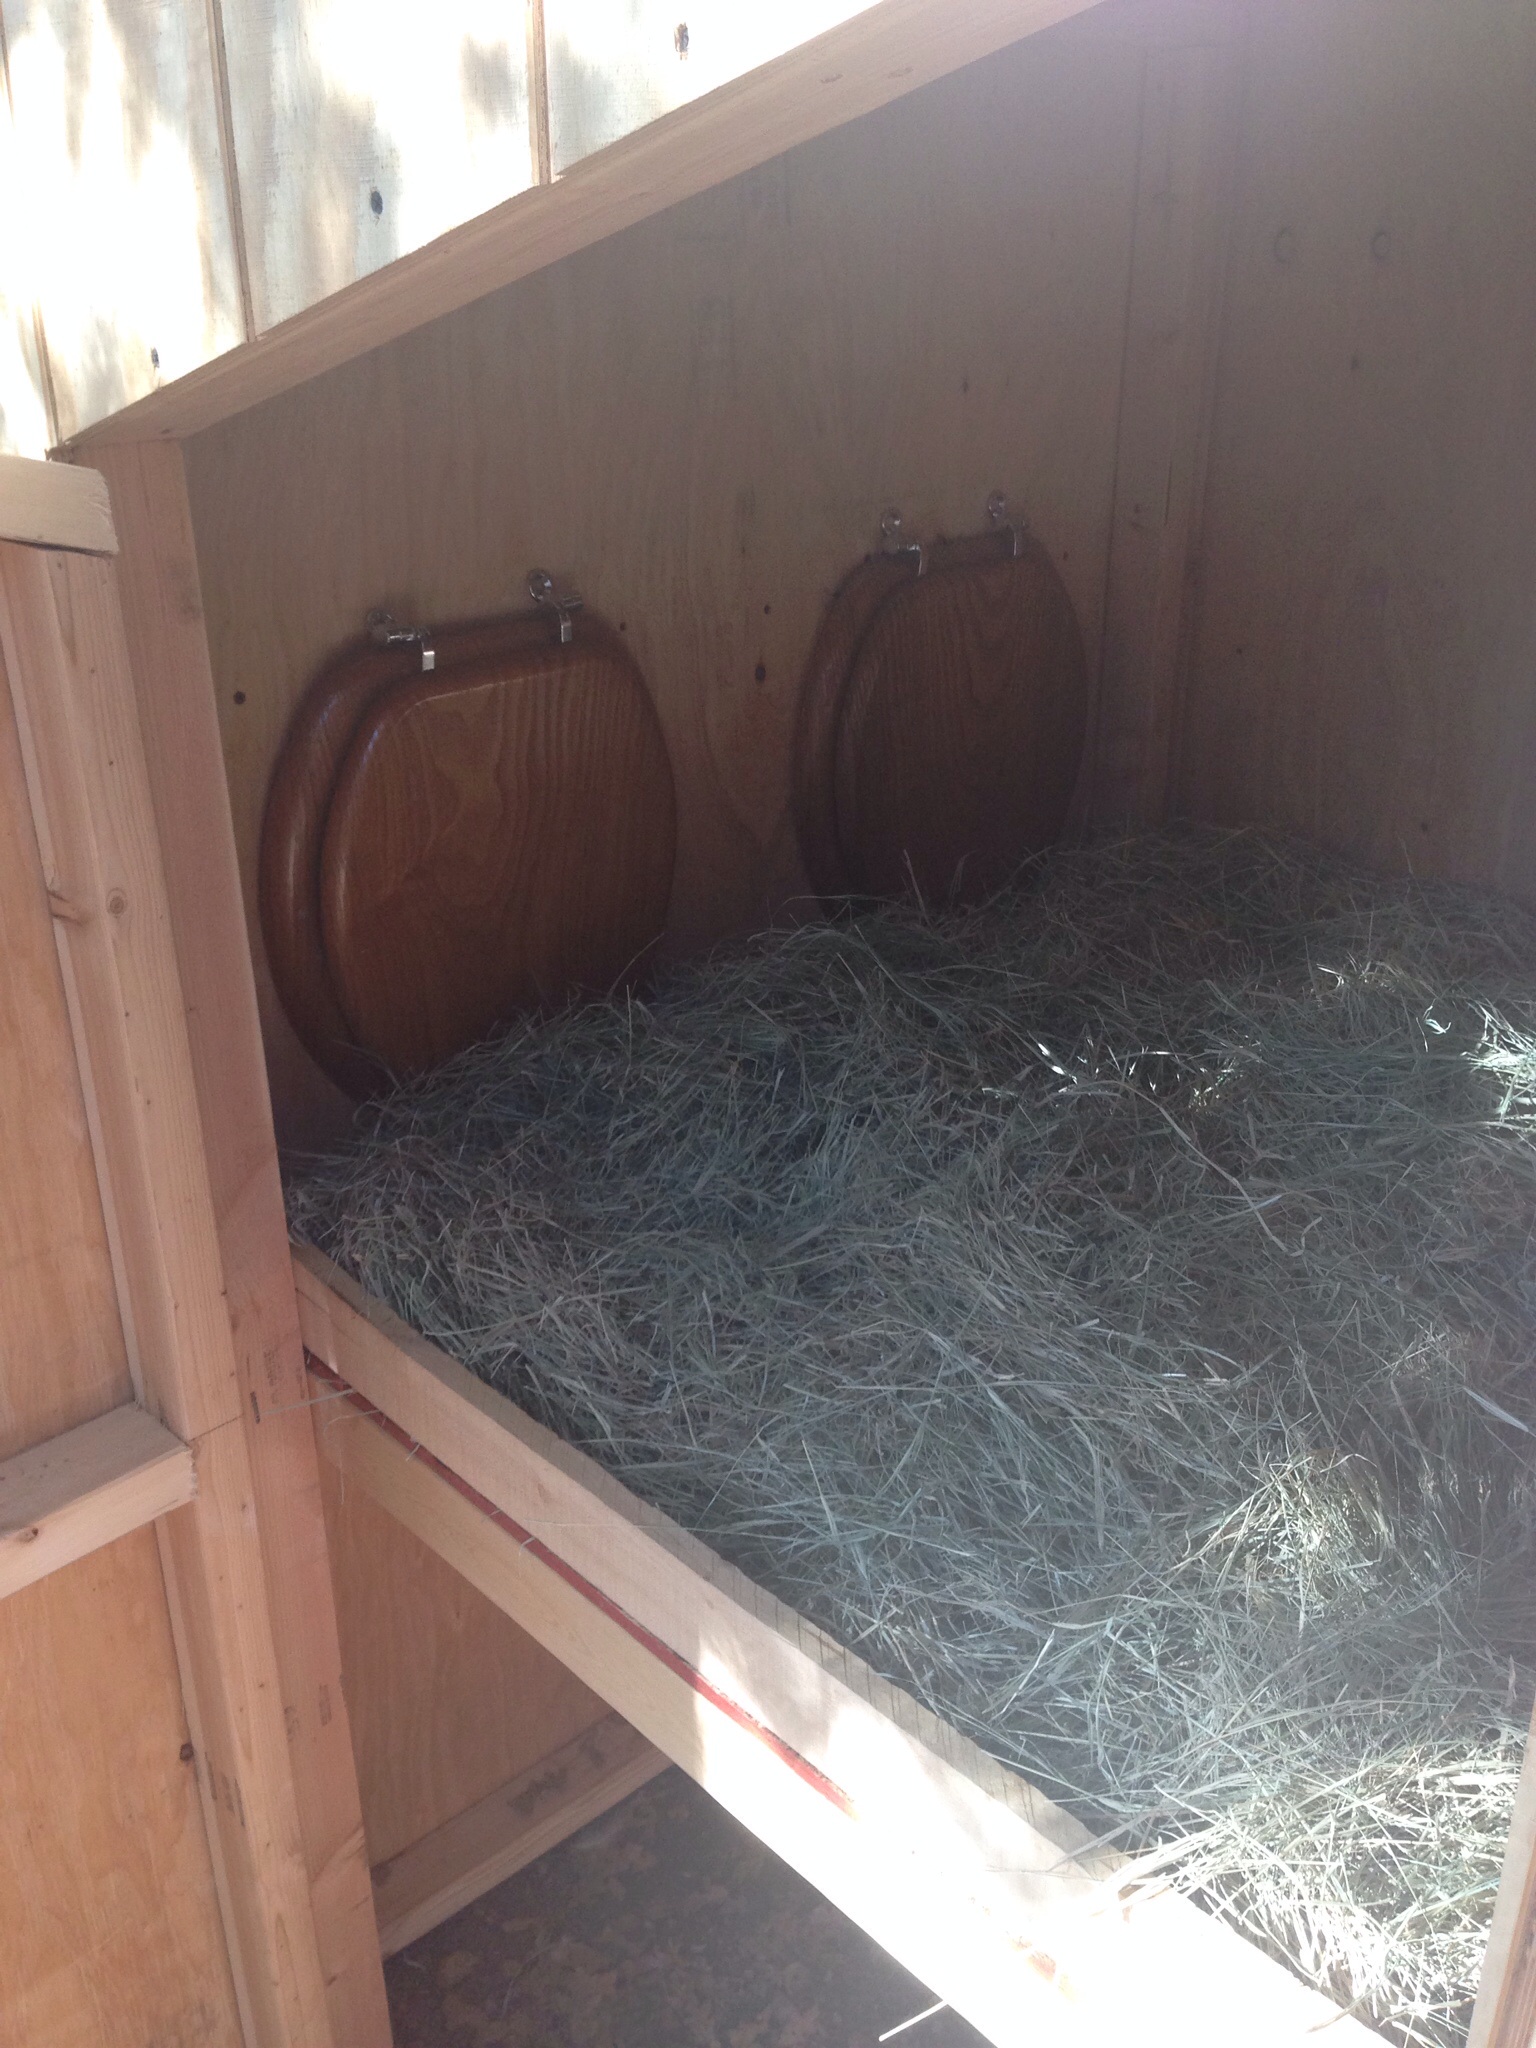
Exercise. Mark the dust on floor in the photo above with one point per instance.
(662, 1925)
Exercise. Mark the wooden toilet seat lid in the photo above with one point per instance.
(942, 723)
(443, 851)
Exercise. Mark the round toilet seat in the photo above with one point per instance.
(942, 723)
(443, 851)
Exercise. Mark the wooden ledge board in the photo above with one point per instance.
(76, 1493)
(55, 505)
(888, 50)
(972, 1878)
(504, 1832)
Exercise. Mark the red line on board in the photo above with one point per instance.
(664, 1654)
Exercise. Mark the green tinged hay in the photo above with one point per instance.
(1108, 1311)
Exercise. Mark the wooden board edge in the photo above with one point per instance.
(980, 1892)
(881, 54)
(55, 505)
(1505, 2013)
(80, 1491)
(502, 1833)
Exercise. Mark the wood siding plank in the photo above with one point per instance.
(124, 236)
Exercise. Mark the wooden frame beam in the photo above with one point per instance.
(62, 643)
(449, 1869)
(54, 505)
(884, 52)
(972, 1878)
(76, 1493)
(174, 710)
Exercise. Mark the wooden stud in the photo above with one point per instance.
(61, 638)
(162, 610)
(54, 505)
(78, 1492)
(453, 1866)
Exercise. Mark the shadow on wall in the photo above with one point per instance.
(359, 131)
(124, 244)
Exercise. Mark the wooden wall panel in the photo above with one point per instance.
(112, 1935)
(111, 1928)
(125, 234)
(1366, 646)
(616, 64)
(362, 130)
(449, 1699)
(700, 422)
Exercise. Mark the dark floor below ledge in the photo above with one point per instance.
(662, 1925)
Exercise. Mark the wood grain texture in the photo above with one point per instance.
(163, 621)
(500, 839)
(884, 52)
(1366, 622)
(76, 1493)
(53, 505)
(1185, 187)
(361, 133)
(62, 1356)
(450, 1700)
(700, 424)
(959, 726)
(124, 241)
(460, 1861)
(967, 1874)
(61, 636)
(818, 716)
(292, 835)
(112, 1933)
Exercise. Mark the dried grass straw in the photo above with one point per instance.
(1109, 1311)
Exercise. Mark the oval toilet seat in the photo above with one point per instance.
(942, 723)
(441, 851)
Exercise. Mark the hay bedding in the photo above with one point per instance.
(1109, 1311)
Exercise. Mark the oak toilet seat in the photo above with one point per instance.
(942, 721)
(462, 827)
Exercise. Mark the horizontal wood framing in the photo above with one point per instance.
(884, 52)
(500, 1834)
(55, 505)
(979, 1884)
(76, 1493)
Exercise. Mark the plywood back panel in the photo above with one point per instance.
(700, 422)
(449, 1699)
(1366, 646)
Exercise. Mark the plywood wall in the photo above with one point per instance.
(699, 423)
(1364, 668)
(111, 1934)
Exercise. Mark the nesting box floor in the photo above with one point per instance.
(662, 1925)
